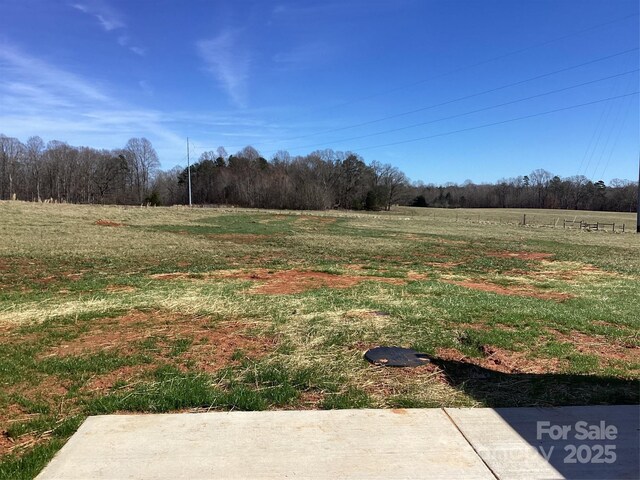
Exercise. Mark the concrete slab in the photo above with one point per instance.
(597, 442)
(354, 444)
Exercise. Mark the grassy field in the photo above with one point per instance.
(109, 309)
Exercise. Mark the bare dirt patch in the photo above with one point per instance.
(607, 350)
(568, 271)
(108, 223)
(501, 360)
(211, 347)
(310, 400)
(297, 281)
(49, 388)
(126, 374)
(23, 442)
(515, 290)
(18, 269)
(9, 415)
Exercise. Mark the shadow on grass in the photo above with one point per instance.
(497, 389)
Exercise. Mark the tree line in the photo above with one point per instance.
(57, 171)
(539, 189)
(323, 179)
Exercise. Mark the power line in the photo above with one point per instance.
(466, 97)
(615, 141)
(382, 132)
(497, 123)
(483, 62)
(448, 102)
(602, 128)
(593, 136)
(614, 122)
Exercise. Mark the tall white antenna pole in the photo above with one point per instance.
(189, 170)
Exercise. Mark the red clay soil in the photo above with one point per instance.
(8, 415)
(124, 374)
(212, 345)
(297, 281)
(607, 350)
(522, 255)
(108, 223)
(50, 391)
(48, 388)
(570, 274)
(16, 414)
(16, 269)
(515, 290)
(309, 400)
(502, 360)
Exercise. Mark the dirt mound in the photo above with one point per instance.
(516, 290)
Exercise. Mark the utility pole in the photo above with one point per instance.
(189, 170)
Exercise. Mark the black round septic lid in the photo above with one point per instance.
(396, 357)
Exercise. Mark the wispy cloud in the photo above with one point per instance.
(138, 50)
(38, 98)
(106, 15)
(110, 19)
(229, 62)
(37, 75)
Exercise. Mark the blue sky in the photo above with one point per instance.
(384, 79)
